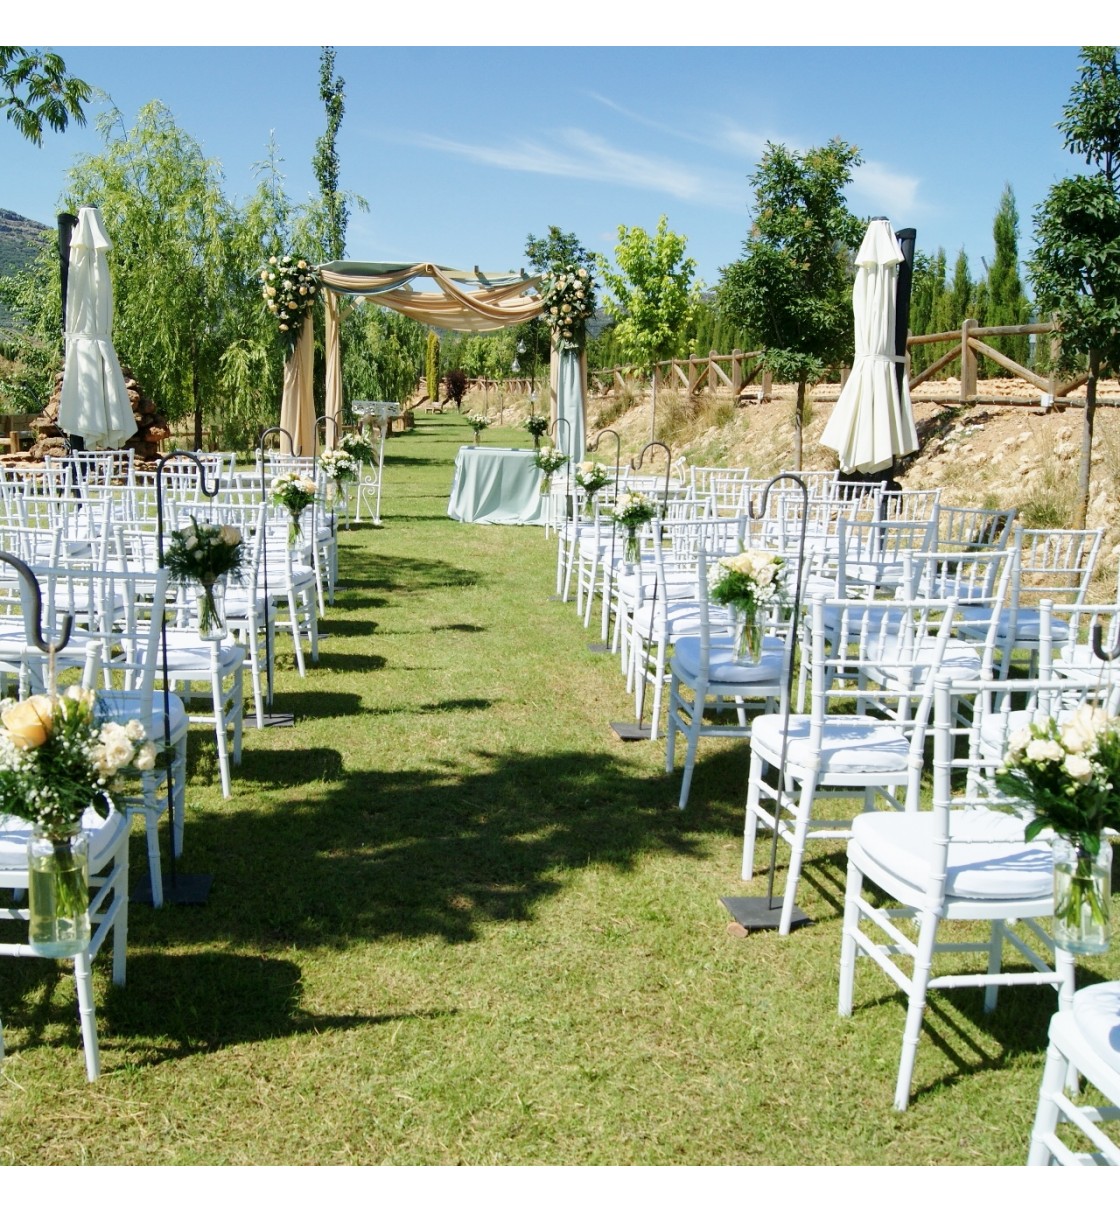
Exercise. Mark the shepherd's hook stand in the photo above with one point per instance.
(273, 719)
(761, 912)
(183, 889)
(626, 730)
(604, 644)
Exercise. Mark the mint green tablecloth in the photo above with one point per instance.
(496, 485)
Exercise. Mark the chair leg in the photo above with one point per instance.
(1046, 1114)
(797, 853)
(915, 1011)
(853, 892)
(83, 980)
(750, 817)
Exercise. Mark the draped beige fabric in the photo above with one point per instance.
(297, 406)
(333, 403)
(484, 310)
(490, 307)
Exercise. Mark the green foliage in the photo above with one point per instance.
(455, 383)
(34, 347)
(1076, 266)
(431, 365)
(792, 287)
(325, 160)
(558, 248)
(651, 294)
(384, 353)
(36, 91)
(1007, 301)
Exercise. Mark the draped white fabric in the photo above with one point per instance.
(873, 422)
(94, 403)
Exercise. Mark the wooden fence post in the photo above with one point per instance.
(736, 374)
(767, 386)
(968, 362)
(692, 375)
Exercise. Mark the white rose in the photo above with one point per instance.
(1078, 767)
(1040, 750)
(145, 758)
(1018, 741)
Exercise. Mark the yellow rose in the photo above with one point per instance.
(29, 723)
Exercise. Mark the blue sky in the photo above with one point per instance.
(461, 152)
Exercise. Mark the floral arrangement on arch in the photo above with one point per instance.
(537, 425)
(339, 465)
(568, 296)
(289, 286)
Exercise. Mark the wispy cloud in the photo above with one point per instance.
(585, 156)
(885, 191)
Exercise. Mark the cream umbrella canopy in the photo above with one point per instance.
(873, 420)
(94, 403)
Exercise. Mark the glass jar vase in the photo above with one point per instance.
(1082, 891)
(58, 893)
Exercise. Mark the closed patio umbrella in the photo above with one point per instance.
(94, 403)
(873, 420)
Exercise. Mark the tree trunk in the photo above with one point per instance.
(798, 423)
(653, 408)
(197, 404)
(1081, 510)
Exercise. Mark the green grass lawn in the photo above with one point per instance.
(454, 920)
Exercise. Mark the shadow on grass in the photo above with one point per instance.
(401, 575)
(435, 708)
(349, 662)
(470, 627)
(368, 854)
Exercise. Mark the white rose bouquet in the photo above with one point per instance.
(199, 554)
(339, 466)
(537, 426)
(751, 583)
(294, 492)
(548, 460)
(1069, 774)
(632, 510)
(57, 760)
(290, 287)
(591, 477)
(357, 447)
(478, 421)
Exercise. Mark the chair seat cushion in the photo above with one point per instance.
(904, 661)
(120, 706)
(973, 622)
(103, 831)
(1097, 1013)
(187, 654)
(724, 670)
(988, 858)
(847, 747)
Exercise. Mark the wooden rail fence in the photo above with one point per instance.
(741, 375)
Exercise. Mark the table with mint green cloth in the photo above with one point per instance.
(498, 486)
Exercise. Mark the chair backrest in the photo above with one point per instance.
(960, 528)
(1054, 564)
(873, 553)
(911, 505)
(847, 642)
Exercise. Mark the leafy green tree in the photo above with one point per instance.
(184, 265)
(651, 296)
(325, 160)
(36, 91)
(384, 353)
(1007, 301)
(31, 352)
(431, 368)
(1076, 266)
(557, 249)
(792, 286)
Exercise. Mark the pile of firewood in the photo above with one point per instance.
(151, 425)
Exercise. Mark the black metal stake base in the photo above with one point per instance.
(277, 719)
(181, 890)
(626, 731)
(598, 648)
(761, 912)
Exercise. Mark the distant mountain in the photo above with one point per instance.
(19, 241)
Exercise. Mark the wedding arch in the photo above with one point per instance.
(465, 301)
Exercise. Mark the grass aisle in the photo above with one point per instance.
(455, 921)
